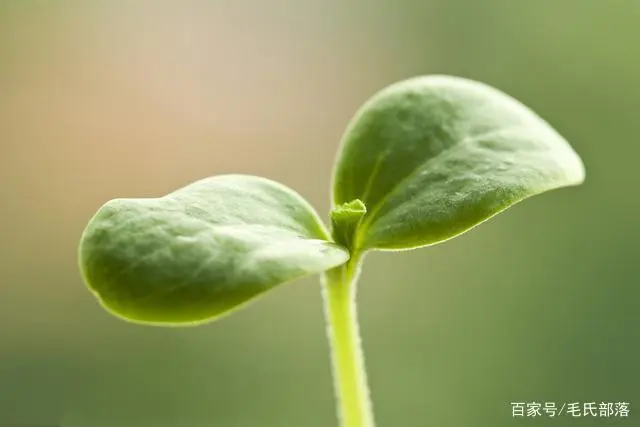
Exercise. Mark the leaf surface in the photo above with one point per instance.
(203, 250)
(431, 157)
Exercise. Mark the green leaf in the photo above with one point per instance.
(202, 250)
(431, 157)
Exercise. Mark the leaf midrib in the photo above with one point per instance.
(211, 228)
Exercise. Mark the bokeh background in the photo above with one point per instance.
(110, 99)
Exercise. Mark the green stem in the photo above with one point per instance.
(349, 376)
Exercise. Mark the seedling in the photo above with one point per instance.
(423, 161)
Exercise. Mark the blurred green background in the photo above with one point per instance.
(110, 99)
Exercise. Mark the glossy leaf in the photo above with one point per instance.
(432, 157)
(203, 250)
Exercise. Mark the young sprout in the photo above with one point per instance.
(423, 161)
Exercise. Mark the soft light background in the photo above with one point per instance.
(110, 99)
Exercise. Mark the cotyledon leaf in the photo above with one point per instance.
(203, 250)
(433, 156)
